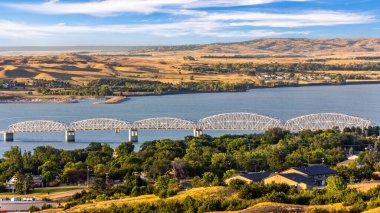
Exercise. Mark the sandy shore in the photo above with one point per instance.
(113, 100)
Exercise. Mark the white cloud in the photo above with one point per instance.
(306, 19)
(110, 7)
(184, 28)
(233, 3)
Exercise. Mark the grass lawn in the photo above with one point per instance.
(42, 192)
(53, 190)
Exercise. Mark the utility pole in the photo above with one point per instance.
(308, 160)
(88, 176)
(107, 178)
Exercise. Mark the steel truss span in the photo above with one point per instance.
(239, 121)
(38, 126)
(324, 121)
(164, 123)
(99, 124)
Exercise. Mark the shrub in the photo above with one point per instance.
(172, 207)
(102, 197)
(196, 182)
(359, 206)
(236, 184)
(46, 206)
(33, 209)
(279, 197)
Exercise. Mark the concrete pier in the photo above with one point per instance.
(70, 136)
(197, 132)
(133, 136)
(8, 136)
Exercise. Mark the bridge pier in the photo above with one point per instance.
(8, 136)
(70, 136)
(133, 135)
(197, 132)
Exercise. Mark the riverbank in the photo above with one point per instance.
(37, 101)
(113, 100)
(258, 87)
(56, 99)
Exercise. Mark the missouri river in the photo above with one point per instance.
(283, 103)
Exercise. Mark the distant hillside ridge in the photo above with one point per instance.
(286, 46)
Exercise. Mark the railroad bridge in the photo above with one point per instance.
(227, 121)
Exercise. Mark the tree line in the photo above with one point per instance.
(159, 165)
(108, 87)
(252, 68)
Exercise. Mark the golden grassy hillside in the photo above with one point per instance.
(165, 64)
(198, 193)
(287, 46)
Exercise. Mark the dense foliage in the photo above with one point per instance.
(159, 165)
(274, 150)
(106, 87)
(252, 68)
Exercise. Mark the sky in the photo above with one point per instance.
(174, 22)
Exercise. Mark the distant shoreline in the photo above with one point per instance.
(121, 99)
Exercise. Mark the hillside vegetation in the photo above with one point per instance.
(265, 62)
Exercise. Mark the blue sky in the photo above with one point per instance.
(172, 22)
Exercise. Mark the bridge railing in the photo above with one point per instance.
(227, 121)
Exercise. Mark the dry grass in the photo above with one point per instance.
(198, 193)
(375, 210)
(280, 207)
(364, 187)
(162, 66)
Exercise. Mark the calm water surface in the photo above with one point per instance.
(283, 103)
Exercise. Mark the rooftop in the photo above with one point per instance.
(256, 176)
(298, 178)
(315, 170)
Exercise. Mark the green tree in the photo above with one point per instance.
(74, 172)
(335, 183)
(124, 148)
(229, 173)
(161, 186)
(23, 183)
(50, 170)
(208, 178)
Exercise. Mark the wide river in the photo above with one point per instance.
(283, 103)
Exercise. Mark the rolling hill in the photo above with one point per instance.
(285, 46)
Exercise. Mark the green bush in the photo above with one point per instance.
(236, 184)
(34, 209)
(102, 197)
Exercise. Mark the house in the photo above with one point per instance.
(250, 177)
(318, 173)
(10, 185)
(37, 182)
(292, 179)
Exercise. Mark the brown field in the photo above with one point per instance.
(280, 207)
(164, 69)
(199, 193)
(165, 64)
(364, 187)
